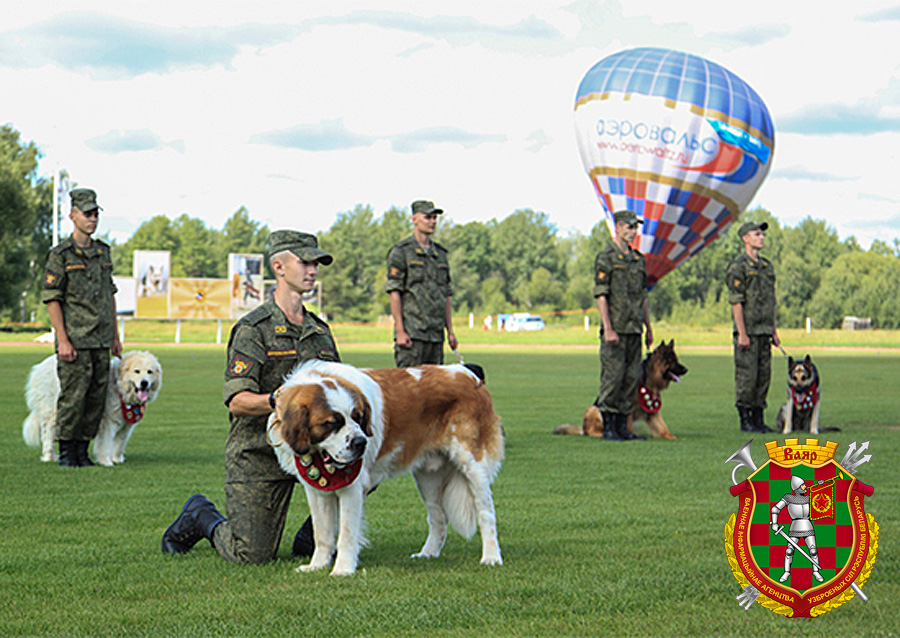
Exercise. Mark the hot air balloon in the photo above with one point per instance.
(679, 140)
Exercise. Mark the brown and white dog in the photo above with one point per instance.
(342, 431)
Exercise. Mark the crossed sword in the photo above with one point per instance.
(815, 562)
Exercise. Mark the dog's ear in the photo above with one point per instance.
(295, 427)
(807, 361)
(672, 343)
(362, 412)
(790, 363)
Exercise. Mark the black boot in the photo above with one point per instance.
(622, 429)
(758, 421)
(68, 456)
(82, 459)
(746, 415)
(198, 519)
(610, 431)
(304, 541)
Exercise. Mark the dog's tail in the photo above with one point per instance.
(459, 504)
(569, 429)
(31, 430)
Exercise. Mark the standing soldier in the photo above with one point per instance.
(80, 295)
(620, 287)
(418, 283)
(263, 348)
(751, 293)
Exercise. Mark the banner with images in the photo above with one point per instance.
(200, 299)
(151, 280)
(245, 272)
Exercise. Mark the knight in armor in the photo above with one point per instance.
(797, 503)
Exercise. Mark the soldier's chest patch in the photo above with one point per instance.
(239, 367)
(75, 267)
(279, 354)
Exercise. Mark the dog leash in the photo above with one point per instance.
(458, 356)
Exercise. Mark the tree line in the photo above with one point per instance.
(518, 263)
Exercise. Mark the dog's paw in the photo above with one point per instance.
(342, 571)
(425, 554)
(309, 568)
(492, 560)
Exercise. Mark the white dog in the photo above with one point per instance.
(134, 382)
(341, 431)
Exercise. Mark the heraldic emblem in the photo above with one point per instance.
(801, 543)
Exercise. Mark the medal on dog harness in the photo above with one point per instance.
(132, 413)
(806, 400)
(650, 402)
(326, 476)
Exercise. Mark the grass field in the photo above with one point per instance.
(598, 538)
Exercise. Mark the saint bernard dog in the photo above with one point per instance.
(343, 430)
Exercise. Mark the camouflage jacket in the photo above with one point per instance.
(81, 280)
(262, 350)
(622, 279)
(423, 278)
(752, 283)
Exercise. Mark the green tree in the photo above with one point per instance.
(196, 255)
(348, 285)
(522, 243)
(26, 210)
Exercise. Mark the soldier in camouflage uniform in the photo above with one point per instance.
(418, 283)
(264, 347)
(80, 295)
(751, 293)
(620, 287)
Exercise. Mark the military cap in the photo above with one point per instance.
(627, 217)
(304, 245)
(425, 207)
(750, 226)
(84, 199)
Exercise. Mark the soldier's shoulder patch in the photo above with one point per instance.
(737, 283)
(601, 275)
(51, 279)
(239, 367)
(395, 273)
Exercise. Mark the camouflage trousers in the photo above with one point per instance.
(620, 373)
(256, 514)
(422, 352)
(752, 372)
(82, 394)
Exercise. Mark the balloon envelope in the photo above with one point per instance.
(679, 140)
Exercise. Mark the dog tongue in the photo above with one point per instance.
(142, 395)
(675, 377)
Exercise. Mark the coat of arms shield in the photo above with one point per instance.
(801, 543)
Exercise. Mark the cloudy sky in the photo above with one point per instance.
(301, 110)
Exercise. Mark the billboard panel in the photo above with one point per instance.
(245, 272)
(200, 299)
(151, 277)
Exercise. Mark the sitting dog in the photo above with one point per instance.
(659, 368)
(341, 431)
(134, 382)
(801, 412)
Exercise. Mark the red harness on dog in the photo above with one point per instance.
(806, 400)
(132, 413)
(650, 402)
(326, 476)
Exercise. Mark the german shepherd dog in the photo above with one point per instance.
(801, 412)
(659, 368)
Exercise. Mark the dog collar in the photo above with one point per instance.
(132, 413)
(650, 402)
(326, 476)
(806, 400)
